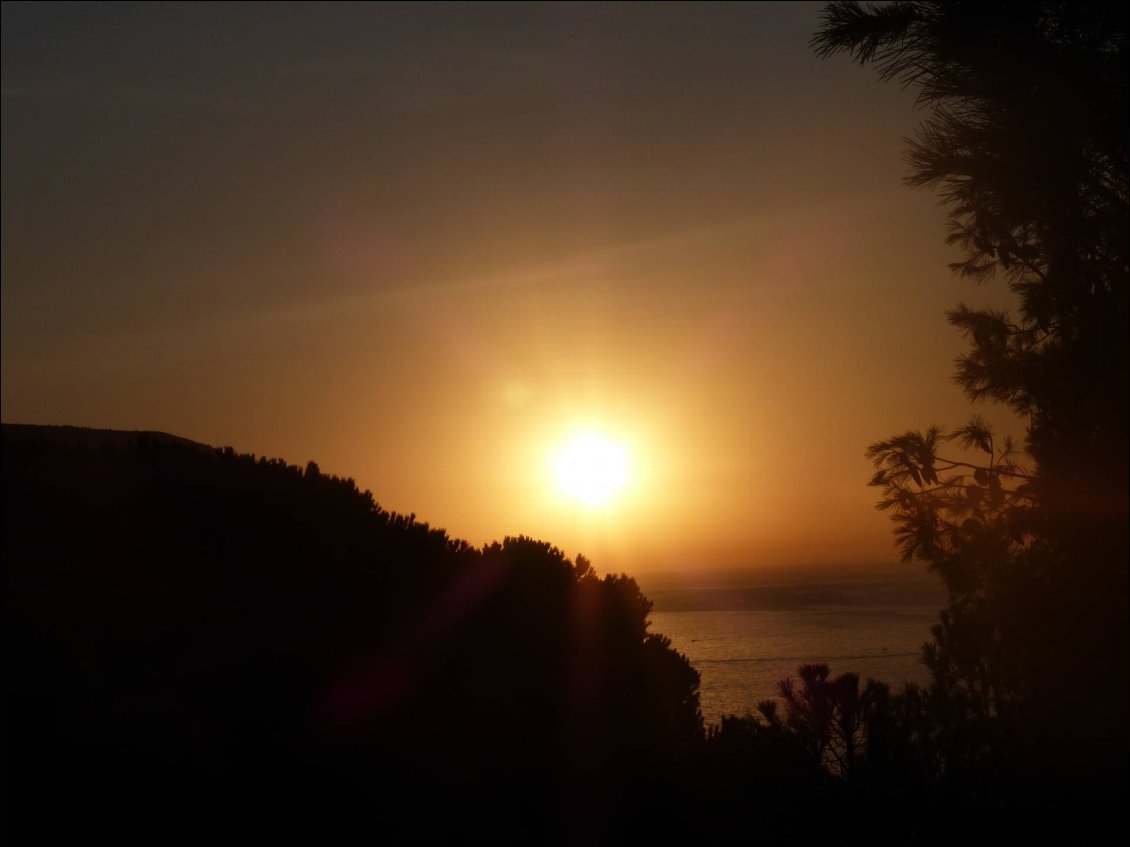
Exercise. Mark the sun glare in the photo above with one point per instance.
(592, 469)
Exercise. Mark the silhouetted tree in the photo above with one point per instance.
(210, 634)
(827, 714)
(1026, 141)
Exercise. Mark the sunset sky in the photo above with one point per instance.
(427, 246)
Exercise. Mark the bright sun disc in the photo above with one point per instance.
(591, 469)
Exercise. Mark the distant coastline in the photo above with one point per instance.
(845, 587)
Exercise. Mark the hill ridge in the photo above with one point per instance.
(66, 435)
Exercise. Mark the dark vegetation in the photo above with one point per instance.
(194, 636)
(206, 638)
(187, 630)
(1026, 140)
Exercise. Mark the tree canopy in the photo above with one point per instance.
(185, 625)
(1025, 140)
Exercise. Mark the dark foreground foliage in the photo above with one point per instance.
(1025, 138)
(197, 642)
(198, 636)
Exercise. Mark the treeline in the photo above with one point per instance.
(187, 632)
(197, 637)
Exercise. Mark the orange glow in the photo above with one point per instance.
(437, 306)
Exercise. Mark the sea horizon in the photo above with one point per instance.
(745, 630)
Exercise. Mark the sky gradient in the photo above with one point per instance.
(422, 245)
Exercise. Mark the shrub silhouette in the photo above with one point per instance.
(181, 622)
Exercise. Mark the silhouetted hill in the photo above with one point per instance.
(190, 633)
(81, 436)
(195, 639)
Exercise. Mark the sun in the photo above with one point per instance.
(592, 469)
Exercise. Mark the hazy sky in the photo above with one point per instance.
(424, 244)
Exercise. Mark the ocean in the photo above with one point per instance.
(744, 631)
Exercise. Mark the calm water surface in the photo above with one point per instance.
(743, 633)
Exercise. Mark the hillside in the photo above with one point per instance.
(81, 436)
(196, 629)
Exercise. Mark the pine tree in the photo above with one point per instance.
(1025, 140)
